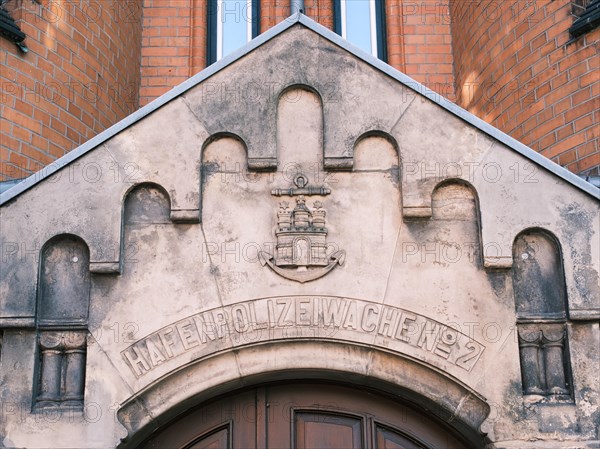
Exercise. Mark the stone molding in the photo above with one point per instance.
(448, 399)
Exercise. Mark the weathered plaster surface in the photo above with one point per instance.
(425, 206)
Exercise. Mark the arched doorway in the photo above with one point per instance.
(305, 416)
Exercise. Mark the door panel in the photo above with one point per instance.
(304, 416)
(318, 430)
(218, 439)
(229, 413)
(388, 439)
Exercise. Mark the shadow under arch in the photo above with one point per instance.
(467, 185)
(541, 231)
(299, 86)
(376, 151)
(208, 168)
(428, 389)
(150, 211)
(64, 235)
(391, 140)
(458, 213)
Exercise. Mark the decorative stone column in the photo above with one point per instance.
(62, 369)
(75, 352)
(553, 346)
(529, 347)
(51, 348)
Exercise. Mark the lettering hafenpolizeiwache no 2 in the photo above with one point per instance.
(302, 317)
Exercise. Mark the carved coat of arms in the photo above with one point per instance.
(301, 252)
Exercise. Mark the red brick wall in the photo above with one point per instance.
(80, 76)
(272, 12)
(173, 44)
(320, 11)
(516, 69)
(428, 38)
(420, 42)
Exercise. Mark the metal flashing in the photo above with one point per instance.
(419, 88)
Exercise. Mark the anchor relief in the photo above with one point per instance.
(301, 251)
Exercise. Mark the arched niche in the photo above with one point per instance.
(64, 282)
(455, 200)
(224, 152)
(538, 276)
(451, 235)
(224, 162)
(376, 164)
(300, 128)
(62, 316)
(146, 203)
(377, 150)
(144, 206)
(541, 309)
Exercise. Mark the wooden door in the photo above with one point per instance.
(305, 416)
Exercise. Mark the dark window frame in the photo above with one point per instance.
(587, 17)
(379, 24)
(211, 38)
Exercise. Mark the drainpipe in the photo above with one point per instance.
(296, 6)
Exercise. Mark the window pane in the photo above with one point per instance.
(236, 19)
(358, 23)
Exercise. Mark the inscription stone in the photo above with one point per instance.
(302, 317)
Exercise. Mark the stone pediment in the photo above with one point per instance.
(401, 236)
(239, 97)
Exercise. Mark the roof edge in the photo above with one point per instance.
(407, 81)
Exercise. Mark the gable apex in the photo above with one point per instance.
(270, 35)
